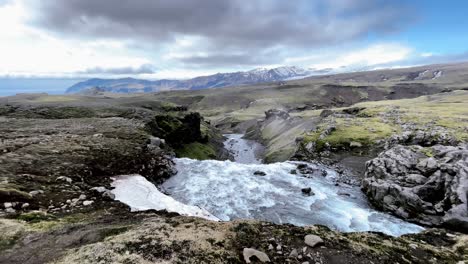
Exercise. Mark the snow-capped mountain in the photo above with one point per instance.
(131, 85)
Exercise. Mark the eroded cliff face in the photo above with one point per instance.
(428, 185)
(54, 157)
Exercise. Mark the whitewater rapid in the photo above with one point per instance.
(228, 190)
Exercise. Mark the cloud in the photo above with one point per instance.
(143, 69)
(234, 31)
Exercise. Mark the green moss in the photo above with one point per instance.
(7, 243)
(362, 130)
(428, 152)
(197, 151)
(34, 217)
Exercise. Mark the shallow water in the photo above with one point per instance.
(243, 150)
(230, 190)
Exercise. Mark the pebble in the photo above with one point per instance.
(25, 205)
(82, 197)
(65, 179)
(36, 192)
(99, 189)
(86, 203)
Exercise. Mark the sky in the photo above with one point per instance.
(177, 39)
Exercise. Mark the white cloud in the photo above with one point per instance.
(427, 54)
(27, 51)
(376, 54)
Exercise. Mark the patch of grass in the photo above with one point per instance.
(197, 151)
(362, 130)
(35, 217)
(428, 152)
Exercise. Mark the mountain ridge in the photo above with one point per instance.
(218, 80)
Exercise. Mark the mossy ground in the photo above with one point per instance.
(381, 119)
(196, 150)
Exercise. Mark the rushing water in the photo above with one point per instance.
(231, 190)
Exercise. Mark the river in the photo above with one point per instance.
(232, 190)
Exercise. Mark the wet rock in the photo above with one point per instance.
(293, 172)
(428, 190)
(250, 252)
(312, 240)
(305, 169)
(108, 195)
(307, 191)
(259, 173)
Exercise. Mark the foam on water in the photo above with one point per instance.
(230, 190)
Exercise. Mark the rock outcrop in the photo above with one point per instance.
(426, 185)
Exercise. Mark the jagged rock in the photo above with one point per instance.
(429, 190)
(156, 142)
(293, 254)
(312, 240)
(326, 113)
(259, 173)
(65, 179)
(250, 252)
(276, 113)
(109, 195)
(353, 110)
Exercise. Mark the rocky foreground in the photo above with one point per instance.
(56, 164)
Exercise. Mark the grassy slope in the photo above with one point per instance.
(448, 110)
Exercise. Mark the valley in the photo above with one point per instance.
(374, 164)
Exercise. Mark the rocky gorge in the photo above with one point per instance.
(58, 161)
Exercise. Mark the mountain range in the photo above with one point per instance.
(131, 85)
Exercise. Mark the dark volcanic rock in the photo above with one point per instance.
(427, 185)
(259, 173)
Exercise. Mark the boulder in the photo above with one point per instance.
(307, 191)
(425, 185)
(250, 252)
(312, 240)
